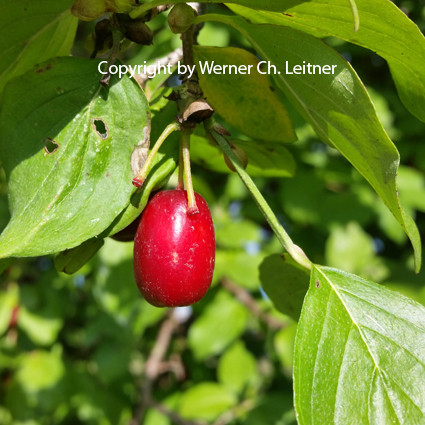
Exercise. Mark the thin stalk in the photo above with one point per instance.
(180, 184)
(141, 177)
(293, 250)
(185, 148)
(116, 42)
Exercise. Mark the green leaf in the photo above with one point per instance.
(32, 32)
(237, 368)
(71, 260)
(245, 100)
(235, 234)
(285, 283)
(207, 401)
(111, 364)
(164, 164)
(411, 185)
(123, 302)
(239, 266)
(67, 156)
(42, 330)
(351, 249)
(404, 50)
(273, 408)
(221, 322)
(337, 106)
(283, 342)
(265, 159)
(364, 344)
(255, 4)
(40, 370)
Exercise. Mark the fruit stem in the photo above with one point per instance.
(141, 177)
(185, 152)
(180, 184)
(293, 250)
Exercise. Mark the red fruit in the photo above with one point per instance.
(174, 252)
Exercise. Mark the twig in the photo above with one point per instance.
(171, 59)
(287, 243)
(249, 301)
(153, 367)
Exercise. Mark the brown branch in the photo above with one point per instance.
(251, 303)
(171, 59)
(153, 366)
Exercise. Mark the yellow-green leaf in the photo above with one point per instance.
(244, 99)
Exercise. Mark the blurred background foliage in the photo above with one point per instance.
(73, 349)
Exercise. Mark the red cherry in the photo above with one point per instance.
(174, 251)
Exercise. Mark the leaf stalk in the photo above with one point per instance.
(293, 250)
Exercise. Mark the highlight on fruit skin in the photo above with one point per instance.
(174, 253)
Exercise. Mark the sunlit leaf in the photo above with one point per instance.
(67, 155)
(364, 344)
(404, 49)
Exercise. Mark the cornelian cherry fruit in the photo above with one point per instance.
(174, 252)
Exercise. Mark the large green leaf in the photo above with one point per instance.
(66, 152)
(244, 99)
(32, 32)
(403, 49)
(337, 106)
(359, 356)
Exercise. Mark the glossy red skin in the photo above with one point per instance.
(174, 253)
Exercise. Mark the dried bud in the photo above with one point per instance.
(138, 32)
(181, 18)
(197, 111)
(102, 36)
